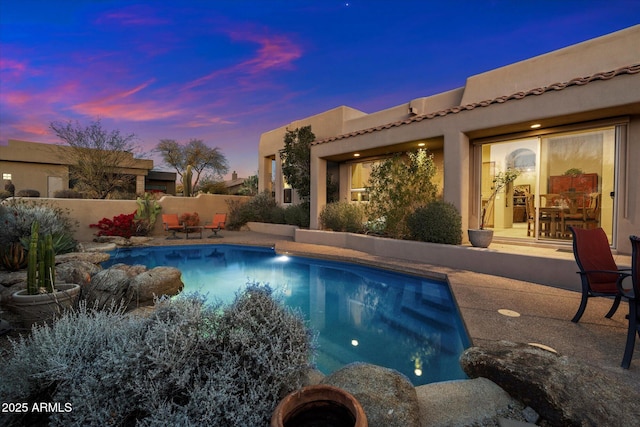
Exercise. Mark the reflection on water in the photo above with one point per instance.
(362, 314)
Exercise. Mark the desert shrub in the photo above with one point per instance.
(397, 186)
(16, 219)
(4, 194)
(68, 194)
(437, 222)
(261, 208)
(186, 364)
(123, 225)
(28, 193)
(297, 215)
(190, 219)
(342, 216)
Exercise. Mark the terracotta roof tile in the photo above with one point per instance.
(579, 81)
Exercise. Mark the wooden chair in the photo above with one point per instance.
(599, 273)
(530, 211)
(216, 224)
(576, 213)
(171, 223)
(634, 302)
(592, 210)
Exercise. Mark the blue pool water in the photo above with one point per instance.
(404, 322)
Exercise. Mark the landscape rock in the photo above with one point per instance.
(77, 271)
(387, 396)
(123, 241)
(564, 392)
(148, 285)
(464, 403)
(108, 288)
(92, 257)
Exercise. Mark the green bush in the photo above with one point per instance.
(68, 194)
(28, 193)
(297, 215)
(437, 222)
(342, 216)
(186, 364)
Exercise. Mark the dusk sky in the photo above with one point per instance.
(226, 71)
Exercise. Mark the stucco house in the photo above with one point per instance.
(45, 168)
(568, 120)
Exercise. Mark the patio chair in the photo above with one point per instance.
(216, 224)
(634, 302)
(171, 223)
(599, 273)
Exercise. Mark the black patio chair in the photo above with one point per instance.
(599, 273)
(634, 302)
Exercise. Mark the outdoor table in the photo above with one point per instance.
(192, 229)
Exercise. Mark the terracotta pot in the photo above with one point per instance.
(319, 406)
(480, 238)
(44, 307)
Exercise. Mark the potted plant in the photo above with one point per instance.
(482, 238)
(319, 405)
(43, 299)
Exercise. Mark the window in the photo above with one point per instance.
(360, 173)
(6, 176)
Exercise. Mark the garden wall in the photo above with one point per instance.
(90, 211)
(559, 272)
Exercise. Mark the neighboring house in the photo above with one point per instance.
(234, 185)
(45, 168)
(569, 120)
(160, 182)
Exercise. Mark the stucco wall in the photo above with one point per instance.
(87, 212)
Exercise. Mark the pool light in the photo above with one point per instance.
(354, 343)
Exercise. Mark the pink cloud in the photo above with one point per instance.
(275, 52)
(137, 15)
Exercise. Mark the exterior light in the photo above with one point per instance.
(422, 144)
(356, 155)
(535, 125)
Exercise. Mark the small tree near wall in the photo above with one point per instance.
(296, 160)
(397, 186)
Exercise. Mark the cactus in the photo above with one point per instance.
(41, 264)
(148, 210)
(186, 182)
(32, 263)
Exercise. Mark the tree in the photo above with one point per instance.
(196, 153)
(397, 186)
(249, 186)
(99, 157)
(296, 160)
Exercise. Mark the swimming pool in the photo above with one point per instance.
(365, 314)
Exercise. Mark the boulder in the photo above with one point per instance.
(77, 271)
(92, 257)
(148, 285)
(564, 392)
(465, 403)
(387, 397)
(108, 287)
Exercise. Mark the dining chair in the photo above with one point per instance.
(599, 274)
(634, 302)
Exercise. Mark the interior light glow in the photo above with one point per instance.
(354, 343)
(535, 125)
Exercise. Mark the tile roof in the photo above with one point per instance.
(579, 81)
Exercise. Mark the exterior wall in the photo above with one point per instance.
(90, 211)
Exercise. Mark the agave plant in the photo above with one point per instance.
(13, 257)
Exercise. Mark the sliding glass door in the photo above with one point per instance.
(565, 180)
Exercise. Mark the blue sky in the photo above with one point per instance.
(226, 71)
